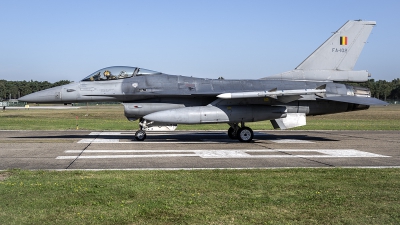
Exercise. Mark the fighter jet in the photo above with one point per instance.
(161, 101)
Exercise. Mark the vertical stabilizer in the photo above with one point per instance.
(342, 49)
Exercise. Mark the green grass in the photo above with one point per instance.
(93, 118)
(281, 196)
(112, 117)
(375, 118)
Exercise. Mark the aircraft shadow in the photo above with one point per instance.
(221, 137)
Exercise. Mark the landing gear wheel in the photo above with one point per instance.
(140, 135)
(245, 134)
(232, 134)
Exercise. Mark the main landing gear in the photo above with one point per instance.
(242, 133)
(145, 126)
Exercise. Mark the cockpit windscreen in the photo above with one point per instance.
(118, 72)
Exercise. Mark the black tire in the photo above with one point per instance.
(140, 135)
(232, 134)
(245, 134)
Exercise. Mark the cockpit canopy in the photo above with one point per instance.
(118, 72)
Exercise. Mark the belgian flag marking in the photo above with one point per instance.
(343, 40)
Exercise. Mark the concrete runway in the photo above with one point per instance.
(70, 150)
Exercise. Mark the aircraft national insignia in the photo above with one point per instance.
(343, 40)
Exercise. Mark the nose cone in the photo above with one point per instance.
(51, 95)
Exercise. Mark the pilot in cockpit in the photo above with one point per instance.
(95, 77)
(107, 75)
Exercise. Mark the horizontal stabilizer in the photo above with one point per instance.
(357, 100)
(291, 120)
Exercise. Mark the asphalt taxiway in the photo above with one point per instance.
(98, 150)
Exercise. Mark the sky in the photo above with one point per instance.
(250, 39)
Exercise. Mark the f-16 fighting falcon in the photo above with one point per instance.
(161, 101)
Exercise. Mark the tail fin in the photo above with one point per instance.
(342, 49)
(334, 60)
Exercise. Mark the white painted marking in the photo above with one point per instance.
(291, 141)
(128, 151)
(224, 168)
(86, 141)
(122, 156)
(220, 154)
(351, 153)
(156, 133)
(224, 154)
(110, 133)
(99, 141)
(117, 141)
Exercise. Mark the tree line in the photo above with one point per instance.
(17, 89)
(380, 89)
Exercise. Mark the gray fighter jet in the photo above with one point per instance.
(161, 101)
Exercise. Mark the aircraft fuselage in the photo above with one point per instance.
(285, 99)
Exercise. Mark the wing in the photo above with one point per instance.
(356, 100)
(299, 119)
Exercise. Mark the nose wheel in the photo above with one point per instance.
(140, 135)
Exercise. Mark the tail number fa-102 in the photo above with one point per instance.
(343, 50)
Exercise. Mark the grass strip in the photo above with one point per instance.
(277, 196)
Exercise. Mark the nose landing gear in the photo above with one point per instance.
(140, 135)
